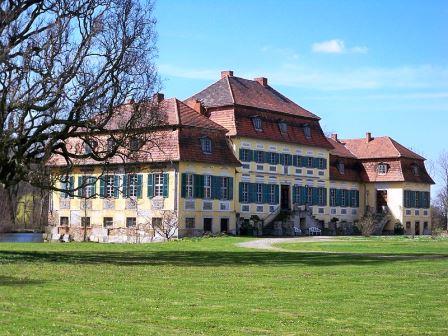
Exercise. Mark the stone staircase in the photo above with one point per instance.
(286, 222)
(381, 219)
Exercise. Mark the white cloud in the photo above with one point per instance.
(336, 46)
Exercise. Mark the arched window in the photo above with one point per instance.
(206, 145)
(382, 169)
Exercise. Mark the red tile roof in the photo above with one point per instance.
(378, 148)
(339, 149)
(236, 91)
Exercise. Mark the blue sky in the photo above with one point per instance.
(379, 66)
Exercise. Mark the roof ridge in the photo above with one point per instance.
(231, 91)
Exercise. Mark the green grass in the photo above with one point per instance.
(211, 287)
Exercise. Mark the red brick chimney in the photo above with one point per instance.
(226, 73)
(262, 80)
(158, 97)
(196, 105)
(369, 137)
(334, 136)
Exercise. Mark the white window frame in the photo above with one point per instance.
(189, 185)
(341, 168)
(307, 131)
(109, 186)
(272, 193)
(158, 184)
(245, 193)
(207, 186)
(309, 196)
(132, 185)
(224, 188)
(206, 145)
(382, 169)
(256, 121)
(259, 193)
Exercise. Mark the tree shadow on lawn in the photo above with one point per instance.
(211, 258)
(11, 281)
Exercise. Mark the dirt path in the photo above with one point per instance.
(267, 243)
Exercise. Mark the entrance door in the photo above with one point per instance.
(417, 228)
(207, 224)
(284, 202)
(381, 200)
(224, 224)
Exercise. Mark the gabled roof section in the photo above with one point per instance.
(231, 91)
(339, 149)
(378, 148)
(179, 114)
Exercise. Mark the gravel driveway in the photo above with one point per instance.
(267, 243)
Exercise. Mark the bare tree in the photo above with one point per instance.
(66, 70)
(367, 224)
(167, 226)
(442, 171)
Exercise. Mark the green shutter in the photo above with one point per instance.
(102, 187)
(267, 157)
(183, 192)
(315, 195)
(150, 188)
(252, 193)
(324, 163)
(240, 192)
(294, 194)
(166, 185)
(139, 185)
(198, 185)
(303, 161)
(230, 187)
(216, 187)
(277, 194)
(316, 162)
(80, 183)
(295, 160)
(125, 186)
(324, 196)
(116, 186)
(265, 193)
(303, 195)
(93, 181)
(241, 153)
(71, 186)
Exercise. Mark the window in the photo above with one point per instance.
(259, 193)
(63, 221)
(244, 155)
(225, 188)
(244, 192)
(333, 211)
(189, 223)
(90, 146)
(156, 222)
(321, 192)
(85, 221)
(417, 200)
(425, 226)
(108, 222)
(110, 145)
(309, 196)
(283, 127)
(256, 121)
(320, 210)
(309, 162)
(245, 208)
(134, 144)
(307, 131)
(189, 185)
(132, 185)
(259, 156)
(206, 145)
(88, 189)
(131, 222)
(321, 164)
(343, 200)
(260, 208)
(109, 185)
(415, 170)
(272, 193)
(382, 169)
(341, 168)
(208, 224)
(343, 211)
(273, 158)
(408, 226)
(207, 186)
(158, 185)
(332, 197)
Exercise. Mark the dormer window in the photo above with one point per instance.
(416, 170)
(134, 144)
(90, 146)
(256, 121)
(382, 169)
(283, 127)
(110, 145)
(341, 168)
(307, 131)
(206, 145)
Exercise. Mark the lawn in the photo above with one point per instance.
(211, 287)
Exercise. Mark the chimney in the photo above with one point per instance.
(158, 97)
(334, 136)
(196, 105)
(369, 137)
(262, 80)
(227, 73)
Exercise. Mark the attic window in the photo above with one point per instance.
(206, 145)
(382, 169)
(134, 144)
(341, 168)
(256, 121)
(307, 131)
(416, 170)
(111, 145)
(90, 146)
(283, 127)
